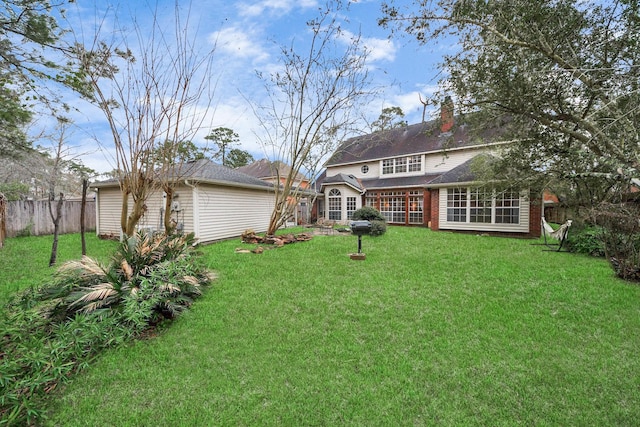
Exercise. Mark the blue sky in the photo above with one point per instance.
(247, 35)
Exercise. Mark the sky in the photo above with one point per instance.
(247, 36)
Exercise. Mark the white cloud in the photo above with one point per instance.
(279, 7)
(378, 49)
(239, 42)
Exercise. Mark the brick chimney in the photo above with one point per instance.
(446, 115)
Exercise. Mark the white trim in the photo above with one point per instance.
(521, 227)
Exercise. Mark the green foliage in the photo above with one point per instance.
(390, 118)
(224, 139)
(29, 38)
(238, 158)
(150, 278)
(367, 213)
(378, 228)
(171, 152)
(621, 237)
(549, 76)
(48, 333)
(587, 240)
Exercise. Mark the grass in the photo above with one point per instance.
(432, 328)
(24, 261)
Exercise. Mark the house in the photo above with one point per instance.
(276, 172)
(212, 201)
(422, 175)
(272, 171)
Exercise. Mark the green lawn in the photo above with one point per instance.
(24, 261)
(431, 329)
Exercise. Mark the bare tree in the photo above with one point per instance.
(153, 88)
(313, 101)
(60, 152)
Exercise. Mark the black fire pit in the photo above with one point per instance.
(360, 228)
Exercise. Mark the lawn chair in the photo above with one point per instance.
(326, 225)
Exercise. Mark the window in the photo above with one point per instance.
(364, 169)
(393, 206)
(415, 163)
(401, 165)
(483, 206)
(508, 208)
(480, 205)
(371, 200)
(457, 205)
(351, 206)
(416, 201)
(387, 166)
(335, 205)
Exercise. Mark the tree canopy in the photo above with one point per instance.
(390, 118)
(563, 74)
(29, 34)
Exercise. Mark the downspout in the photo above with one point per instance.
(195, 217)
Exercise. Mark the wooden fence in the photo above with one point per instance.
(32, 218)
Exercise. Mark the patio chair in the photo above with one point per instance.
(326, 225)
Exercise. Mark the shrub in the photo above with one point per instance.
(367, 213)
(50, 332)
(150, 278)
(588, 240)
(378, 228)
(378, 223)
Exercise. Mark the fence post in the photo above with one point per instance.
(3, 222)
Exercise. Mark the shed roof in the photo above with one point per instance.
(205, 170)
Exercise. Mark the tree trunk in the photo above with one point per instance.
(139, 208)
(83, 206)
(124, 211)
(56, 226)
(168, 226)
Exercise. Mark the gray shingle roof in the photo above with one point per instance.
(267, 169)
(206, 170)
(343, 178)
(413, 139)
(399, 182)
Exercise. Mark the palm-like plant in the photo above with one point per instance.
(150, 278)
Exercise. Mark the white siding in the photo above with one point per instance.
(108, 211)
(221, 212)
(445, 161)
(226, 212)
(432, 163)
(345, 191)
(522, 227)
(356, 170)
(110, 208)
